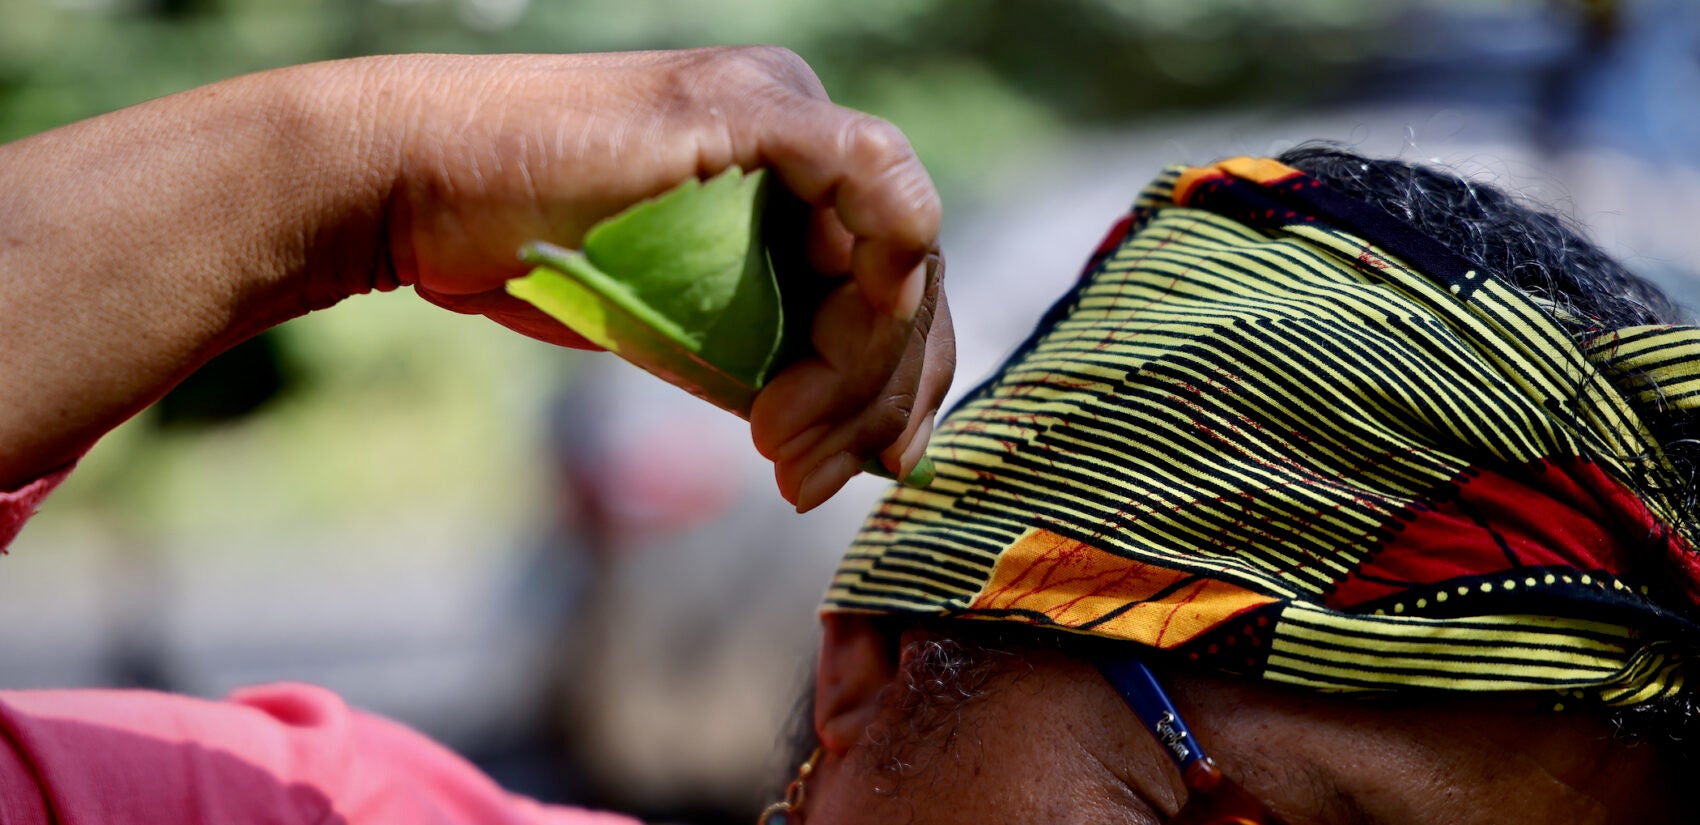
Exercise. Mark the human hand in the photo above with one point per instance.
(492, 152)
(138, 244)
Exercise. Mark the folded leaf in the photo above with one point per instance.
(681, 285)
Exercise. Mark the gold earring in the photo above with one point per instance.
(785, 812)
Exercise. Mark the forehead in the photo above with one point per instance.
(1055, 732)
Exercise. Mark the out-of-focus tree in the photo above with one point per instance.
(973, 82)
(969, 79)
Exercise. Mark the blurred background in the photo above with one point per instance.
(584, 580)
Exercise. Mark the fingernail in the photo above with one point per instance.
(825, 479)
(917, 448)
(918, 478)
(909, 293)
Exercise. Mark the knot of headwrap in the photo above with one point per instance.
(1277, 431)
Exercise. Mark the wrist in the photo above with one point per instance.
(329, 164)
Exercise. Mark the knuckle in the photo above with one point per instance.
(926, 312)
(897, 188)
(777, 56)
(789, 66)
(765, 66)
(748, 64)
(875, 144)
(943, 353)
(884, 421)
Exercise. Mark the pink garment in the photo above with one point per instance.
(278, 755)
(16, 506)
(274, 755)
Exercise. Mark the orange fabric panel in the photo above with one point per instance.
(1265, 171)
(1258, 170)
(1075, 584)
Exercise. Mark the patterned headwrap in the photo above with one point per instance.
(1276, 431)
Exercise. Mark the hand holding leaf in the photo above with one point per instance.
(684, 286)
(573, 140)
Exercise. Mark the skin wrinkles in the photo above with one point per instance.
(379, 152)
(472, 118)
(884, 153)
(710, 127)
(783, 61)
(589, 131)
(715, 149)
(1144, 800)
(1046, 739)
(1467, 760)
(503, 88)
(857, 205)
(832, 233)
(654, 129)
(1563, 772)
(525, 162)
(977, 763)
(618, 135)
(469, 157)
(1336, 804)
(883, 150)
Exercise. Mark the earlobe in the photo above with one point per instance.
(858, 659)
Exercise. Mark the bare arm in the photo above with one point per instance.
(136, 245)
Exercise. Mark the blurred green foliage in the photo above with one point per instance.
(969, 79)
(397, 402)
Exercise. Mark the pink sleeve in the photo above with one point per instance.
(284, 754)
(16, 506)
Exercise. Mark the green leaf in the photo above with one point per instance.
(681, 285)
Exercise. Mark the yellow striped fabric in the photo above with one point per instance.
(1275, 447)
(1659, 366)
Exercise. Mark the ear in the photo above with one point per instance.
(858, 659)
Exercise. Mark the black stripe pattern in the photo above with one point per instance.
(1251, 422)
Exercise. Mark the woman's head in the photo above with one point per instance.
(1253, 440)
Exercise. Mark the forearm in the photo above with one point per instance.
(136, 245)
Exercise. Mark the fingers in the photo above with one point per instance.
(936, 353)
(865, 171)
(829, 243)
(858, 166)
(883, 359)
(614, 129)
(847, 398)
(872, 390)
(884, 354)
